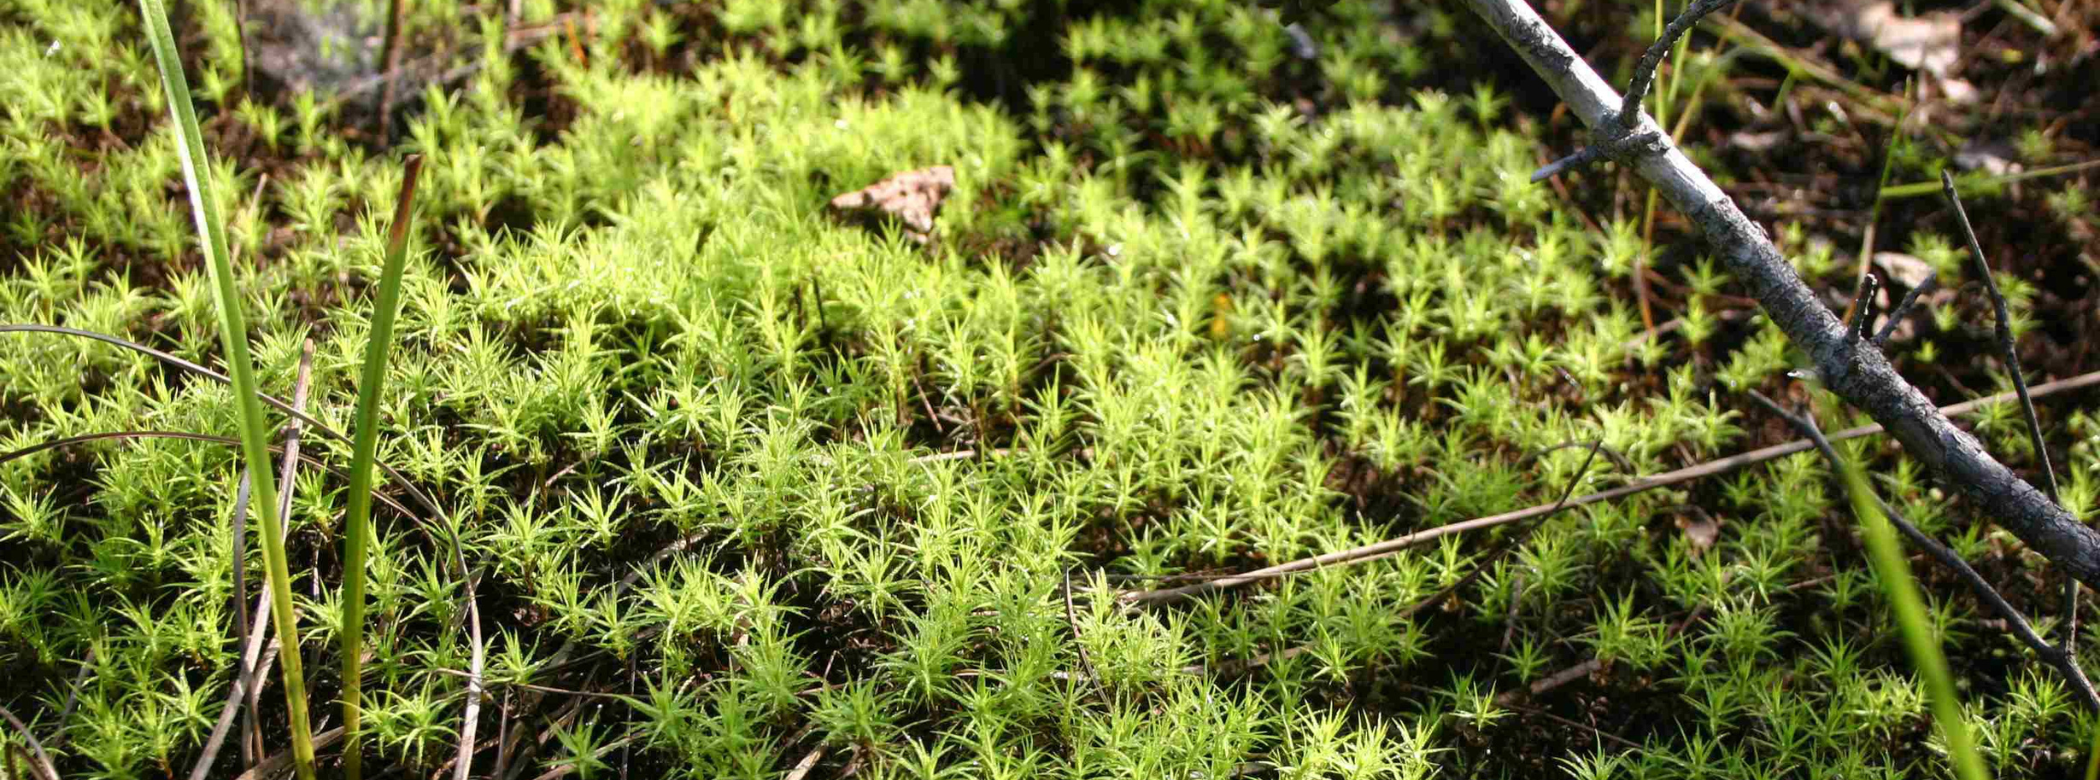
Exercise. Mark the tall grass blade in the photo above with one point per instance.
(2092, 761)
(364, 446)
(1909, 606)
(233, 331)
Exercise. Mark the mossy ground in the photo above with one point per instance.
(1197, 304)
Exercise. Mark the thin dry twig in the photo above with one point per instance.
(1072, 619)
(1509, 617)
(527, 748)
(1556, 680)
(2008, 350)
(400, 480)
(956, 455)
(565, 721)
(240, 29)
(42, 762)
(1574, 724)
(502, 738)
(1584, 669)
(1231, 667)
(517, 38)
(241, 626)
(445, 768)
(282, 762)
(234, 698)
(568, 769)
(853, 763)
(1517, 540)
(1651, 60)
(807, 763)
(65, 713)
(1863, 310)
(525, 686)
(1623, 139)
(1903, 307)
(1487, 563)
(472, 715)
(1388, 547)
(389, 62)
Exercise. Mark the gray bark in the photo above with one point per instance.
(1852, 368)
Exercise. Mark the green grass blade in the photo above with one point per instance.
(364, 446)
(1909, 606)
(1916, 189)
(233, 331)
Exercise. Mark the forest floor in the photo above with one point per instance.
(938, 480)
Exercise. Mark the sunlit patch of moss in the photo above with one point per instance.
(1182, 312)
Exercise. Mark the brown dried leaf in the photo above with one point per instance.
(1758, 142)
(1701, 529)
(1909, 271)
(912, 197)
(1931, 43)
(1903, 269)
(1928, 42)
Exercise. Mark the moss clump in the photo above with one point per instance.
(1195, 303)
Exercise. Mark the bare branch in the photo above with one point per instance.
(2059, 657)
(1618, 140)
(239, 532)
(389, 62)
(475, 685)
(1863, 377)
(1572, 724)
(1863, 309)
(1605, 144)
(2010, 351)
(1651, 60)
(2006, 347)
(605, 750)
(502, 739)
(807, 763)
(1580, 158)
(1903, 307)
(1556, 680)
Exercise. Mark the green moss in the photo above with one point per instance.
(1182, 312)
